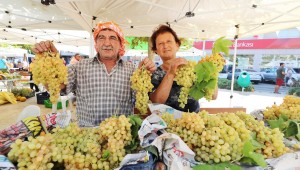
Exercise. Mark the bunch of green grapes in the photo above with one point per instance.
(185, 76)
(49, 70)
(188, 127)
(32, 154)
(77, 148)
(219, 141)
(290, 108)
(141, 84)
(208, 136)
(271, 138)
(116, 132)
(231, 119)
(217, 59)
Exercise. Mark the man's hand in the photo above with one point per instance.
(44, 46)
(148, 64)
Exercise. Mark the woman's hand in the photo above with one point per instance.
(148, 64)
(174, 64)
(44, 46)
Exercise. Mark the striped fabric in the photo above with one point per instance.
(100, 94)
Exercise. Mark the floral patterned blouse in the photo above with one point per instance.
(192, 104)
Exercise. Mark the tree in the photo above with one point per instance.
(23, 46)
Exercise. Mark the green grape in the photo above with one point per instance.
(141, 84)
(49, 70)
(185, 76)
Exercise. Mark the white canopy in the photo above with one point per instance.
(201, 19)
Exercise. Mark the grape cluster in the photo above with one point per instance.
(290, 108)
(49, 70)
(116, 134)
(221, 137)
(141, 84)
(75, 148)
(217, 59)
(271, 138)
(208, 136)
(32, 154)
(185, 76)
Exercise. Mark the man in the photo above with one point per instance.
(102, 83)
(75, 59)
(279, 78)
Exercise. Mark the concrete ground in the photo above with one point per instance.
(250, 100)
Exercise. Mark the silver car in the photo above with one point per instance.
(270, 74)
(255, 77)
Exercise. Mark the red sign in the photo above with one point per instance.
(282, 43)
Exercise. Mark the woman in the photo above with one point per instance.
(165, 43)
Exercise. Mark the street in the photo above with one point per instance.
(269, 88)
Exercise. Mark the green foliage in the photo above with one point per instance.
(105, 155)
(205, 79)
(219, 166)
(5, 45)
(23, 46)
(221, 45)
(294, 91)
(136, 122)
(226, 84)
(142, 43)
(138, 42)
(186, 43)
(293, 129)
(281, 123)
(286, 126)
(250, 157)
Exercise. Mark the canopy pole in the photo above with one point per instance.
(234, 62)
(92, 53)
(203, 48)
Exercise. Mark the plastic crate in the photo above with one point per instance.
(144, 165)
(48, 104)
(40, 97)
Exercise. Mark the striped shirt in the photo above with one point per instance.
(100, 94)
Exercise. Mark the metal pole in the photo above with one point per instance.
(203, 49)
(234, 62)
(92, 54)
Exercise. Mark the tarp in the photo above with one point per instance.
(191, 18)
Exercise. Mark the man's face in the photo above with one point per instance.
(166, 46)
(78, 57)
(108, 44)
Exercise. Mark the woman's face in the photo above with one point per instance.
(166, 46)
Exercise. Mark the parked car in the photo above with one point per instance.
(255, 77)
(269, 74)
(297, 70)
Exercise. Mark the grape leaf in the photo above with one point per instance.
(280, 123)
(199, 72)
(211, 84)
(293, 129)
(248, 151)
(196, 93)
(220, 166)
(105, 155)
(221, 45)
(247, 161)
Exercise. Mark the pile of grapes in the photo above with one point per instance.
(220, 137)
(75, 148)
(290, 108)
